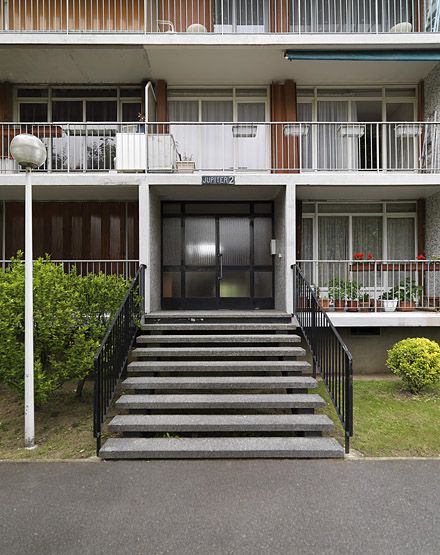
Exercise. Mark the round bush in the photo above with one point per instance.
(417, 361)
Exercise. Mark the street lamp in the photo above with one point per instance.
(30, 153)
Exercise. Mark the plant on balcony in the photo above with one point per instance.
(341, 291)
(364, 302)
(362, 261)
(389, 300)
(408, 293)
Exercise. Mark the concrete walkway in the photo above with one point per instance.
(220, 507)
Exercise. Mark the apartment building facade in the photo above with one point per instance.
(220, 142)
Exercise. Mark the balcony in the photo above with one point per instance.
(219, 16)
(375, 285)
(255, 147)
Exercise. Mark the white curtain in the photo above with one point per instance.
(304, 114)
(333, 239)
(400, 238)
(250, 146)
(241, 16)
(331, 146)
(187, 137)
(367, 235)
(217, 147)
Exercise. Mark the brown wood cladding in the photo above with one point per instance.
(76, 230)
(285, 150)
(184, 14)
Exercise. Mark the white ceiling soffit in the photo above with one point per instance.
(193, 65)
(379, 193)
(74, 65)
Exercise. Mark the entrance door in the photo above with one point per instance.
(217, 255)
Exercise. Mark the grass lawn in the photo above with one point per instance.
(63, 427)
(388, 422)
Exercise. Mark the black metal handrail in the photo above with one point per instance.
(330, 355)
(110, 362)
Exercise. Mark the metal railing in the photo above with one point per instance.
(374, 285)
(330, 355)
(110, 362)
(278, 147)
(120, 268)
(219, 16)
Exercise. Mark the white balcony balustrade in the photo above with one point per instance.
(375, 285)
(280, 147)
(220, 16)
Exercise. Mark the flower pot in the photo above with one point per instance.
(364, 306)
(407, 306)
(352, 306)
(389, 305)
(339, 306)
(325, 303)
(185, 166)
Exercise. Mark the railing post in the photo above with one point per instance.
(294, 289)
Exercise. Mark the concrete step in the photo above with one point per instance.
(222, 447)
(229, 382)
(254, 339)
(219, 326)
(220, 401)
(201, 315)
(220, 423)
(209, 352)
(185, 366)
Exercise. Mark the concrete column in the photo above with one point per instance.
(290, 241)
(144, 237)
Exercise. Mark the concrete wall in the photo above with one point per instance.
(370, 351)
(280, 236)
(432, 226)
(432, 94)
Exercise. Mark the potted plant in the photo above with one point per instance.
(352, 296)
(364, 302)
(408, 294)
(186, 164)
(337, 293)
(324, 302)
(389, 301)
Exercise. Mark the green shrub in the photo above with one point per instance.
(71, 315)
(417, 361)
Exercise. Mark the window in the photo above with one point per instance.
(335, 231)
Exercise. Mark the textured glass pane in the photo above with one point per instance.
(171, 284)
(210, 208)
(234, 241)
(200, 284)
(367, 235)
(200, 241)
(263, 208)
(235, 284)
(171, 208)
(345, 208)
(401, 206)
(171, 255)
(263, 284)
(333, 238)
(262, 237)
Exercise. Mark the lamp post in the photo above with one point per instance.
(30, 153)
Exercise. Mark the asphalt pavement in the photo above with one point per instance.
(220, 507)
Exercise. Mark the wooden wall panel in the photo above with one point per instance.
(285, 150)
(76, 230)
(184, 14)
(37, 15)
(280, 13)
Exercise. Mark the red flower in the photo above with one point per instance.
(358, 256)
(421, 257)
(370, 257)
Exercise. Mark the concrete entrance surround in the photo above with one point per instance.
(278, 188)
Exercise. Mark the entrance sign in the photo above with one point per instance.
(218, 180)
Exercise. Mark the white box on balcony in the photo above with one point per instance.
(351, 130)
(132, 151)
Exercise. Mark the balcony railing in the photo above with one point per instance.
(219, 16)
(375, 285)
(121, 268)
(232, 147)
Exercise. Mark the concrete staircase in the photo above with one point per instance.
(219, 387)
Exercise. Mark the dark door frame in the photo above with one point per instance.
(216, 302)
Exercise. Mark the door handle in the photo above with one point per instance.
(220, 256)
